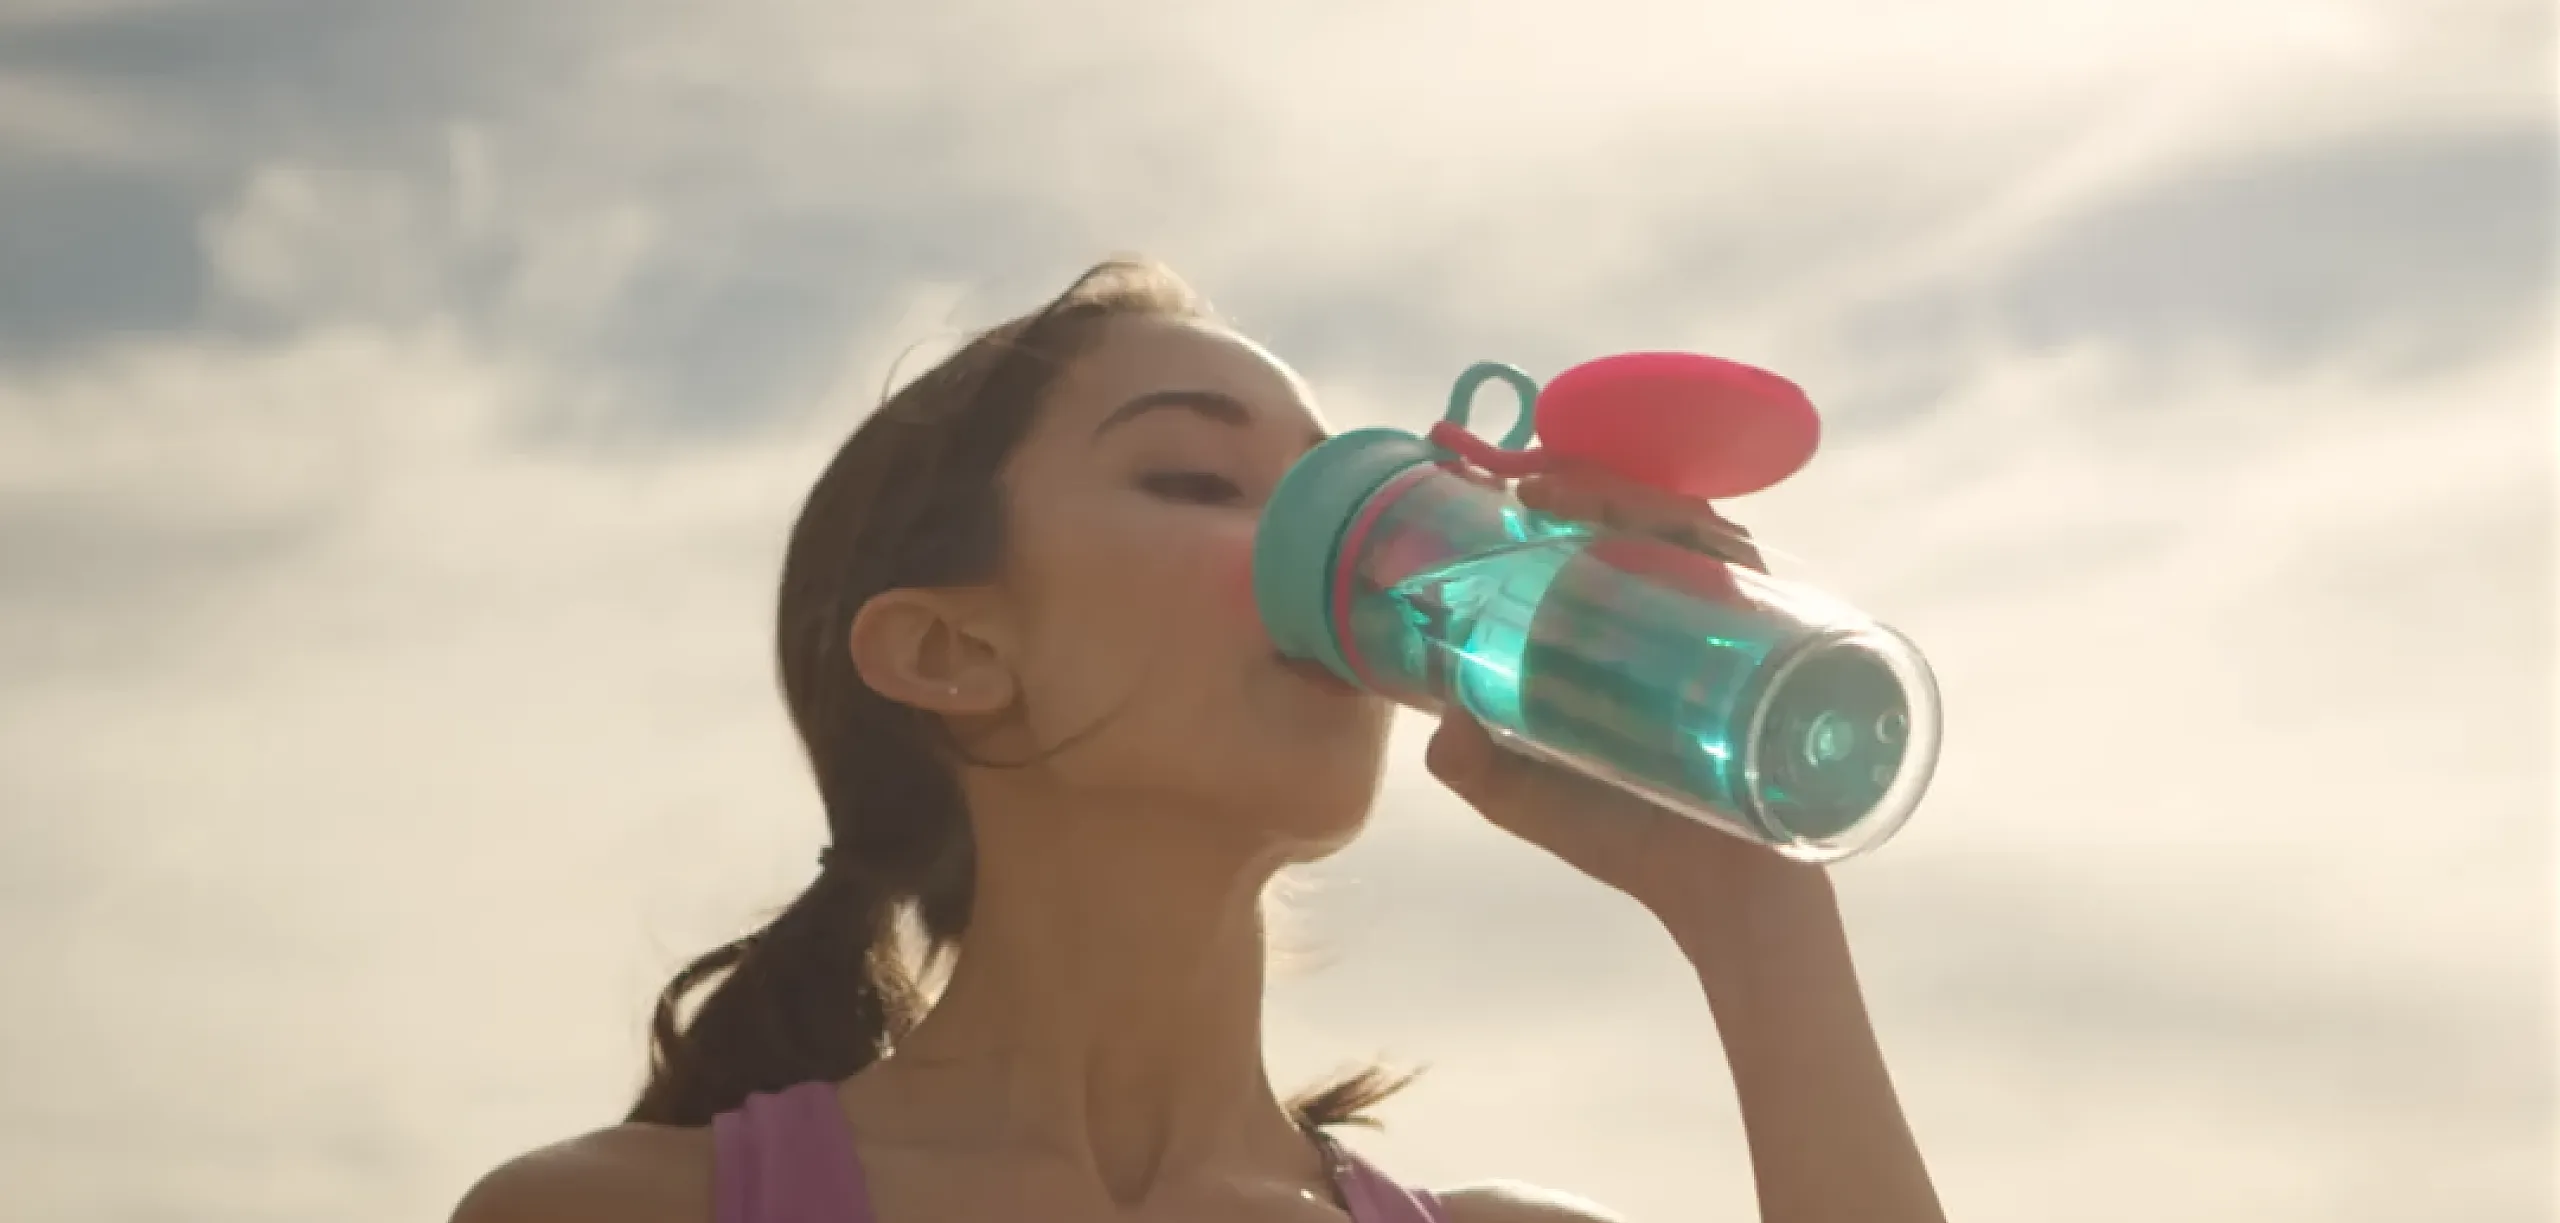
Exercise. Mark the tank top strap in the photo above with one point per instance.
(1371, 1197)
(787, 1157)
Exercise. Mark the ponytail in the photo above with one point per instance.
(1348, 1098)
(819, 993)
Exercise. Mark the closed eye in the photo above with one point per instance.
(1192, 487)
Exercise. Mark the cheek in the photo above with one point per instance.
(1200, 583)
(1227, 572)
(1178, 594)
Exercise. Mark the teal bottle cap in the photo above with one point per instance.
(1297, 544)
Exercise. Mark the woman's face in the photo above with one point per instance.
(1127, 582)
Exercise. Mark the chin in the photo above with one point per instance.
(1315, 811)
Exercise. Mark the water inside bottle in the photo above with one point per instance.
(1657, 668)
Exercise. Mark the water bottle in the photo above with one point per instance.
(1762, 707)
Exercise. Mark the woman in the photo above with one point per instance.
(1017, 644)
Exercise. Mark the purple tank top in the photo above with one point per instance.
(788, 1157)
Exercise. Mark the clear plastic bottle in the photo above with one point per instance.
(1763, 707)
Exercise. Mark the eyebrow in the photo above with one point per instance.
(1211, 405)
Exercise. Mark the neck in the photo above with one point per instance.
(1106, 1005)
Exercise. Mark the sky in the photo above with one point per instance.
(402, 406)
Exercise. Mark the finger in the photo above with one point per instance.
(1624, 505)
(1563, 496)
(1595, 831)
(1723, 539)
(1607, 501)
(1463, 755)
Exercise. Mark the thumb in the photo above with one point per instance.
(1463, 756)
(1546, 805)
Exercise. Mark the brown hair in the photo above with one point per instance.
(911, 499)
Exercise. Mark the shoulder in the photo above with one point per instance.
(1513, 1202)
(627, 1174)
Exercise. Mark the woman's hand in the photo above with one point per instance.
(1827, 1134)
(1669, 863)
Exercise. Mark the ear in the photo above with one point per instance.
(931, 650)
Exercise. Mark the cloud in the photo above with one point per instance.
(2414, 247)
(787, 202)
(400, 408)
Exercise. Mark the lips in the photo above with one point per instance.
(1315, 673)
